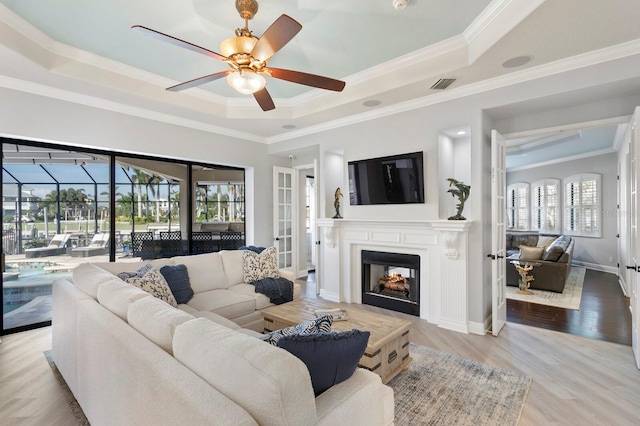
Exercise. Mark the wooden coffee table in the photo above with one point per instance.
(387, 352)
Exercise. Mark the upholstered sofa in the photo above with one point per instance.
(217, 282)
(551, 253)
(131, 359)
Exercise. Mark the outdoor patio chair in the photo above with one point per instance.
(98, 245)
(171, 243)
(142, 245)
(56, 247)
(202, 242)
(230, 240)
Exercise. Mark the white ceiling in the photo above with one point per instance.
(84, 51)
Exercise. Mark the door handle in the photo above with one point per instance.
(277, 239)
(635, 267)
(491, 256)
(500, 257)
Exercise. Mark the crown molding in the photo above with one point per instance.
(68, 96)
(564, 65)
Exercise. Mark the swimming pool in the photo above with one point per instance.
(23, 281)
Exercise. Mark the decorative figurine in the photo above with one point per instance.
(336, 204)
(462, 192)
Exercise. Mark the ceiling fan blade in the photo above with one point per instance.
(198, 81)
(308, 79)
(264, 100)
(177, 42)
(275, 37)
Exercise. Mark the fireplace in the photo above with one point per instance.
(391, 281)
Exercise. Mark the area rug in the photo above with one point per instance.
(444, 389)
(71, 400)
(568, 299)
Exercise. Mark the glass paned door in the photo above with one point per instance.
(284, 205)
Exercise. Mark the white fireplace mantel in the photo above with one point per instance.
(441, 244)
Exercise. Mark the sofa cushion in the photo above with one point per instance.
(259, 266)
(545, 241)
(556, 249)
(233, 264)
(116, 296)
(205, 271)
(116, 267)
(218, 319)
(270, 383)
(154, 283)
(531, 253)
(227, 303)
(318, 325)
(508, 243)
(262, 301)
(88, 277)
(330, 357)
(177, 277)
(156, 320)
(518, 240)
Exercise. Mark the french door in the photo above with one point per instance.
(634, 249)
(498, 232)
(285, 200)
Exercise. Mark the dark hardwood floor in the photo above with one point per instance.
(603, 315)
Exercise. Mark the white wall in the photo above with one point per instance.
(33, 117)
(593, 251)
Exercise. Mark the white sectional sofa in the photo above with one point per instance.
(217, 281)
(131, 359)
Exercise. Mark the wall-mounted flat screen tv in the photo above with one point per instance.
(397, 179)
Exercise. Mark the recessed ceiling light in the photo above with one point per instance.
(461, 132)
(289, 126)
(518, 61)
(371, 103)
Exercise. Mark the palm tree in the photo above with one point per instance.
(139, 178)
(155, 192)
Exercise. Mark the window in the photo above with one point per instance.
(518, 206)
(582, 200)
(545, 209)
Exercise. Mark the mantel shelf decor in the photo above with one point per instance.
(336, 203)
(462, 192)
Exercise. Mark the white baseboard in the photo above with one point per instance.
(623, 285)
(455, 326)
(332, 297)
(596, 267)
(478, 328)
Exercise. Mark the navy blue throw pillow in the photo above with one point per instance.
(178, 279)
(252, 248)
(330, 357)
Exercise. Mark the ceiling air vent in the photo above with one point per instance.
(443, 83)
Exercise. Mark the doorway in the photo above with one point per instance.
(603, 312)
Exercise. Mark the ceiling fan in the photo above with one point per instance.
(247, 55)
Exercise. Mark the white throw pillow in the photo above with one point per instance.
(154, 283)
(260, 266)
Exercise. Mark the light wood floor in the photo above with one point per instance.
(576, 381)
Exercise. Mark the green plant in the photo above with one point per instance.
(36, 242)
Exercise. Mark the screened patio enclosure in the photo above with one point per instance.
(63, 206)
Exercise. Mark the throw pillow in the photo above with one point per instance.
(259, 266)
(154, 283)
(330, 357)
(252, 248)
(135, 274)
(178, 279)
(545, 241)
(318, 325)
(531, 253)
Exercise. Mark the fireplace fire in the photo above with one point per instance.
(391, 280)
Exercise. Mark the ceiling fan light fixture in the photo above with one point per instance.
(246, 82)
